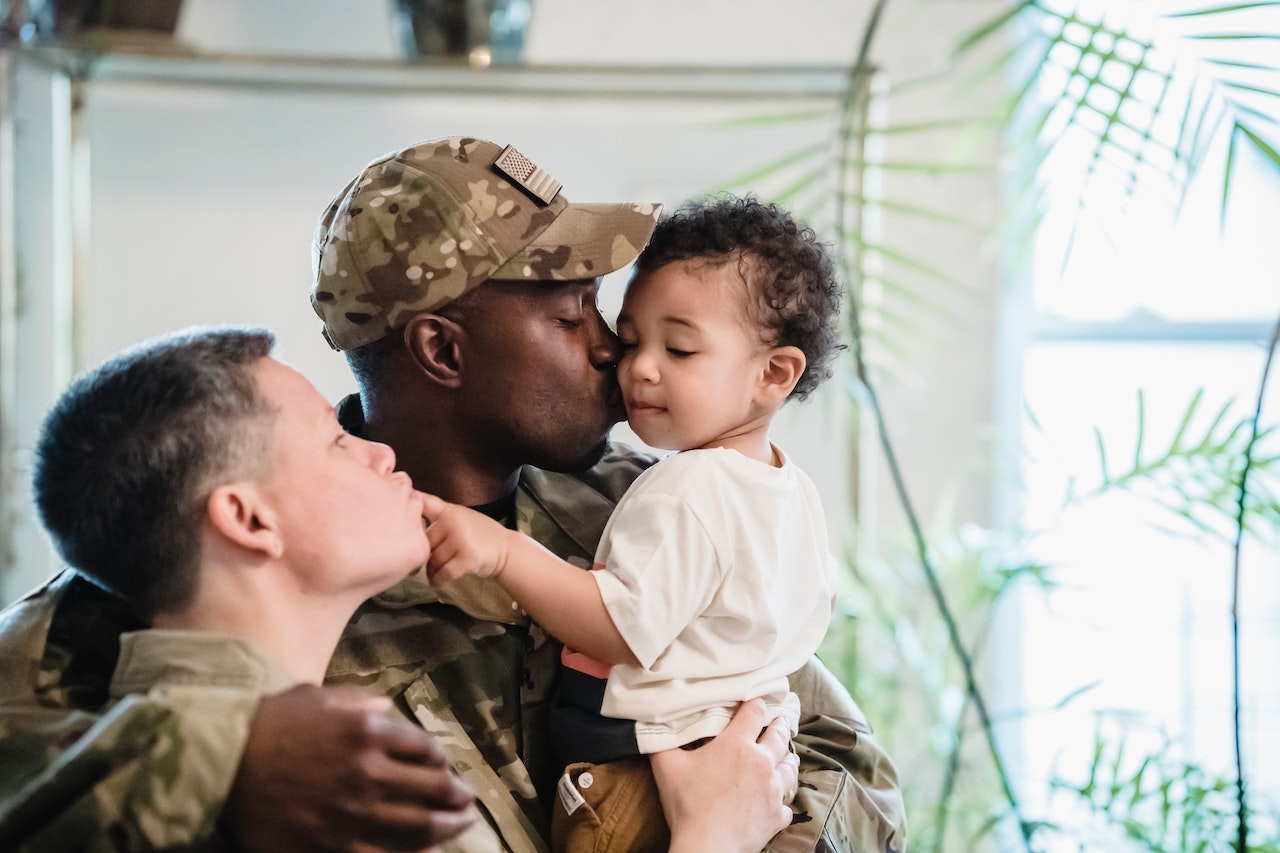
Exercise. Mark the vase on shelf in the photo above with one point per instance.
(481, 32)
(69, 20)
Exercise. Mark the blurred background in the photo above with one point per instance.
(1048, 460)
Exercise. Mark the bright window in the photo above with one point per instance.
(1135, 312)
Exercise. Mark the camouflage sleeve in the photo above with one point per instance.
(152, 773)
(143, 774)
(848, 800)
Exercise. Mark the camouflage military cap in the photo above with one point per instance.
(420, 227)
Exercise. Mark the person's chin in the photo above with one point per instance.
(590, 458)
(585, 450)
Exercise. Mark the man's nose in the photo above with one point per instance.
(605, 349)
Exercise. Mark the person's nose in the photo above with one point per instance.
(380, 456)
(605, 349)
(641, 365)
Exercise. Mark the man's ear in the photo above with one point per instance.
(781, 372)
(433, 342)
(237, 513)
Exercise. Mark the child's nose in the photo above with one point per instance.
(643, 367)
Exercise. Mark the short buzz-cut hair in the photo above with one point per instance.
(793, 291)
(129, 454)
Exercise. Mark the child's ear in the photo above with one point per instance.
(237, 512)
(781, 372)
(433, 344)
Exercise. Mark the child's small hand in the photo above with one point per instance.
(463, 541)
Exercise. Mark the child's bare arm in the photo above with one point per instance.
(463, 541)
(561, 597)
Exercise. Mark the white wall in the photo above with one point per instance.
(203, 199)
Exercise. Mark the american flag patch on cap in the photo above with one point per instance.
(526, 175)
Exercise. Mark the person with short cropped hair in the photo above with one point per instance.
(212, 489)
(128, 454)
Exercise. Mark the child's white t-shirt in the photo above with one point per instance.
(719, 576)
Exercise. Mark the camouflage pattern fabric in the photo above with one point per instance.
(482, 687)
(420, 227)
(142, 776)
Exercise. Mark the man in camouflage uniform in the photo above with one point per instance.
(462, 286)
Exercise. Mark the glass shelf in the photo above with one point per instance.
(169, 64)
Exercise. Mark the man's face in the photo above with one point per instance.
(349, 521)
(539, 373)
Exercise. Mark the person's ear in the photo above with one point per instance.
(779, 374)
(433, 342)
(237, 513)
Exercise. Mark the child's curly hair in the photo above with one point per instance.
(782, 262)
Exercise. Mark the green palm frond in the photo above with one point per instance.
(1196, 475)
(1148, 798)
(917, 211)
(1149, 96)
(781, 165)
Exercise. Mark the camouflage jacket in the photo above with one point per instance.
(208, 685)
(481, 685)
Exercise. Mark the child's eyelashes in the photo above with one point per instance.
(631, 346)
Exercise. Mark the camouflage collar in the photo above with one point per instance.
(579, 511)
(195, 659)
